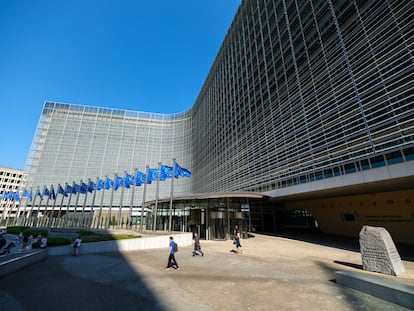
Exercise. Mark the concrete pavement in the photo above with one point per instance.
(273, 273)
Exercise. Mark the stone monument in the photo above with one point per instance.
(378, 251)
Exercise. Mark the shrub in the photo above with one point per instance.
(28, 230)
(16, 229)
(35, 232)
(53, 241)
(85, 232)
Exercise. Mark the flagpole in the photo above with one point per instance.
(121, 201)
(171, 196)
(5, 211)
(68, 205)
(38, 208)
(3, 215)
(61, 202)
(1, 199)
(31, 207)
(143, 195)
(84, 201)
(74, 222)
(13, 205)
(132, 199)
(108, 225)
(50, 220)
(93, 203)
(25, 207)
(45, 211)
(101, 205)
(156, 197)
(16, 217)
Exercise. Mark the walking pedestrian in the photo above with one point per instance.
(235, 233)
(237, 243)
(171, 258)
(76, 246)
(197, 247)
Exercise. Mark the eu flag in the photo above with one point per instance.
(61, 191)
(38, 193)
(181, 171)
(83, 188)
(52, 193)
(129, 180)
(27, 194)
(91, 186)
(68, 189)
(108, 183)
(75, 188)
(166, 172)
(140, 178)
(152, 175)
(100, 185)
(119, 182)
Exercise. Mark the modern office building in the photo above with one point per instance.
(306, 119)
(76, 144)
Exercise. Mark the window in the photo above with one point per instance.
(365, 165)
(377, 161)
(349, 168)
(394, 157)
(409, 153)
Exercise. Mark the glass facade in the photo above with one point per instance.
(306, 90)
(75, 143)
(300, 91)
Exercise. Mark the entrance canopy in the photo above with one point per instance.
(214, 195)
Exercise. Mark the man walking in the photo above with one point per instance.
(171, 258)
(197, 247)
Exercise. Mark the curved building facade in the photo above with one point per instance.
(305, 100)
(77, 141)
(305, 90)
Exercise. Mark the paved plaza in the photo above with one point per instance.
(273, 273)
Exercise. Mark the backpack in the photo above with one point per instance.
(175, 247)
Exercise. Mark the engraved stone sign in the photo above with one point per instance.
(378, 251)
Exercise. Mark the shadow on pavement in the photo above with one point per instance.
(86, 282)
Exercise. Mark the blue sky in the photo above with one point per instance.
(149, 56)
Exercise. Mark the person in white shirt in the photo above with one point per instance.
(76, 246)
(43, 242)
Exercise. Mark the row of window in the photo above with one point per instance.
(348, 168)
(9, 174)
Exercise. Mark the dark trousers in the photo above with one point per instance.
(172, 262)
(197, 251)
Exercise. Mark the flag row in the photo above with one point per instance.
(139, 178)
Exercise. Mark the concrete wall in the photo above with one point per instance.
(162, 241)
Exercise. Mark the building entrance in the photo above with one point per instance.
(219, 225)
